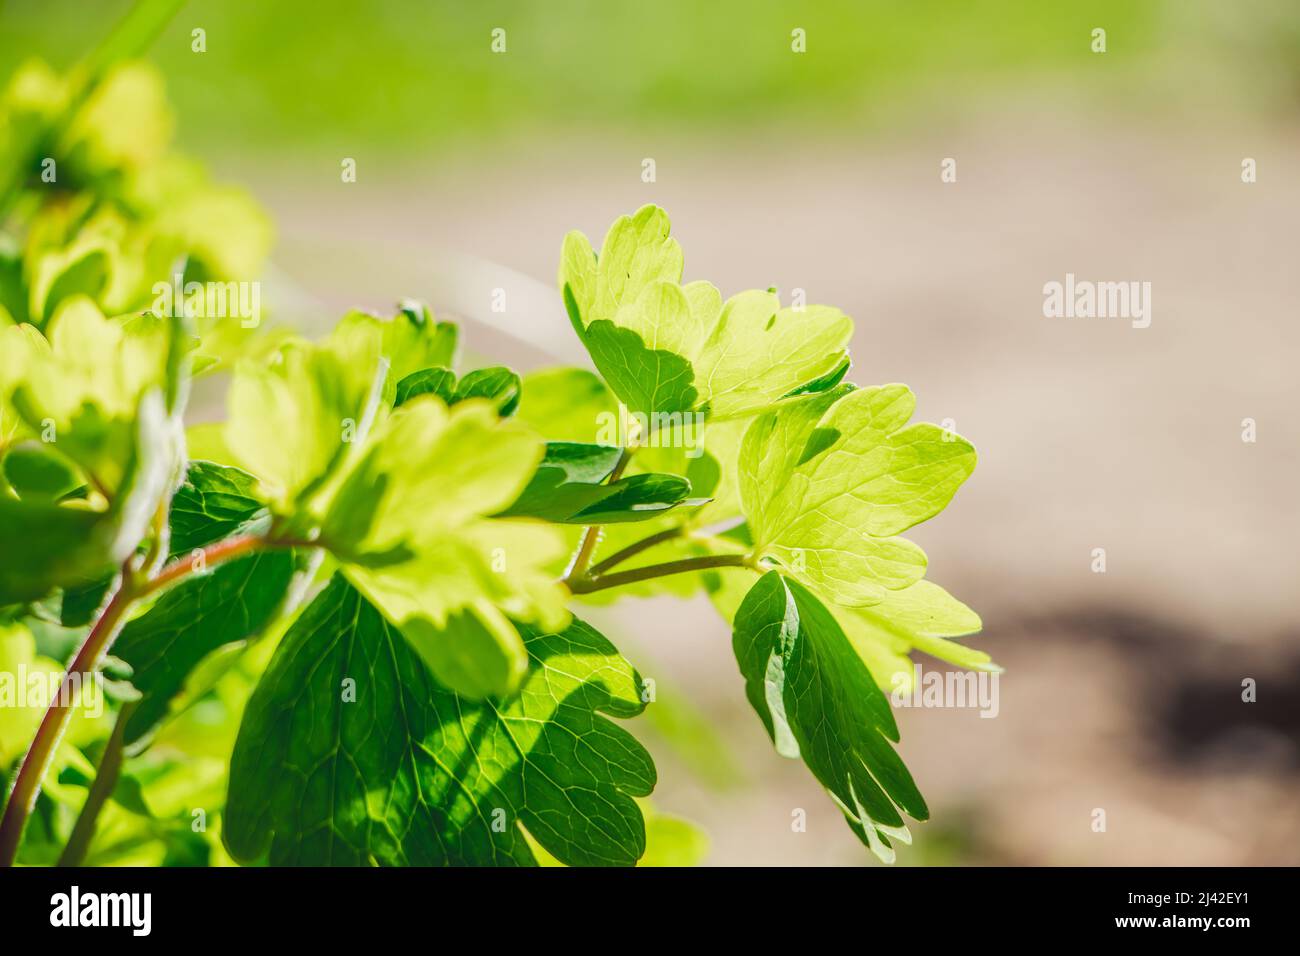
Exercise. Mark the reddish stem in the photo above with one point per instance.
(27, 784)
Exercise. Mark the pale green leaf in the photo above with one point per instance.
(667, 349)
(829, 481)
(409, 524)
(293, 419)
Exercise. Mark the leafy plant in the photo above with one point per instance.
(352, 625)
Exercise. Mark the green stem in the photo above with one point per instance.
(592, 534)
(645, 544)
(110, 767)
(585, 585)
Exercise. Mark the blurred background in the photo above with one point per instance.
(821, 171)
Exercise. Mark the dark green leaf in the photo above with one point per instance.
(351, 754)
(81, 604)
(819, 701)
(207, 611)
(497, 384)
(232, 603)
(214, 502)
(636, 498)
(567, 488)
(428, 381)
(650, 381)
(581, 462)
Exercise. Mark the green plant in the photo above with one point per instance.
(347, 616)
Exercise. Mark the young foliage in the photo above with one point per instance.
(829, 482)
(667, 348)
(369, 573)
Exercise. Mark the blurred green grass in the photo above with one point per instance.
(410, 75)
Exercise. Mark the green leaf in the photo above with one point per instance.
(409, 525)
(819, 702)
(567, 404)
(637, 252)
(922, 617)
(232, 603)
(22, 712)
(649, 381)
(214, 502)
(36, 473)
(292, 420)
(672, 841)
(80, 604)
(579, 462)
(20, 346)
(636, 498)
(80, 270)
(498, 385)
(567, 488)
(828, 482)
(83, 392)
(428, 381)
(665, 348)
(351, 754)
(44, 546)
(409, 342)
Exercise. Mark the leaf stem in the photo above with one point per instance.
(585, 584)
(645, 544)
(27, 783)
(591, 535)
(110, 767)
(225, 550)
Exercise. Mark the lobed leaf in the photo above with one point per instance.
(409, 525)
(819, 702)
(829, 481)
(351, 754)
(501, 386)
(666, 348)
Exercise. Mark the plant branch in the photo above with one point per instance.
(27, 783)
(225, 550)
(645, 544)
(592, 534)
(110, 767)
(585, 584)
